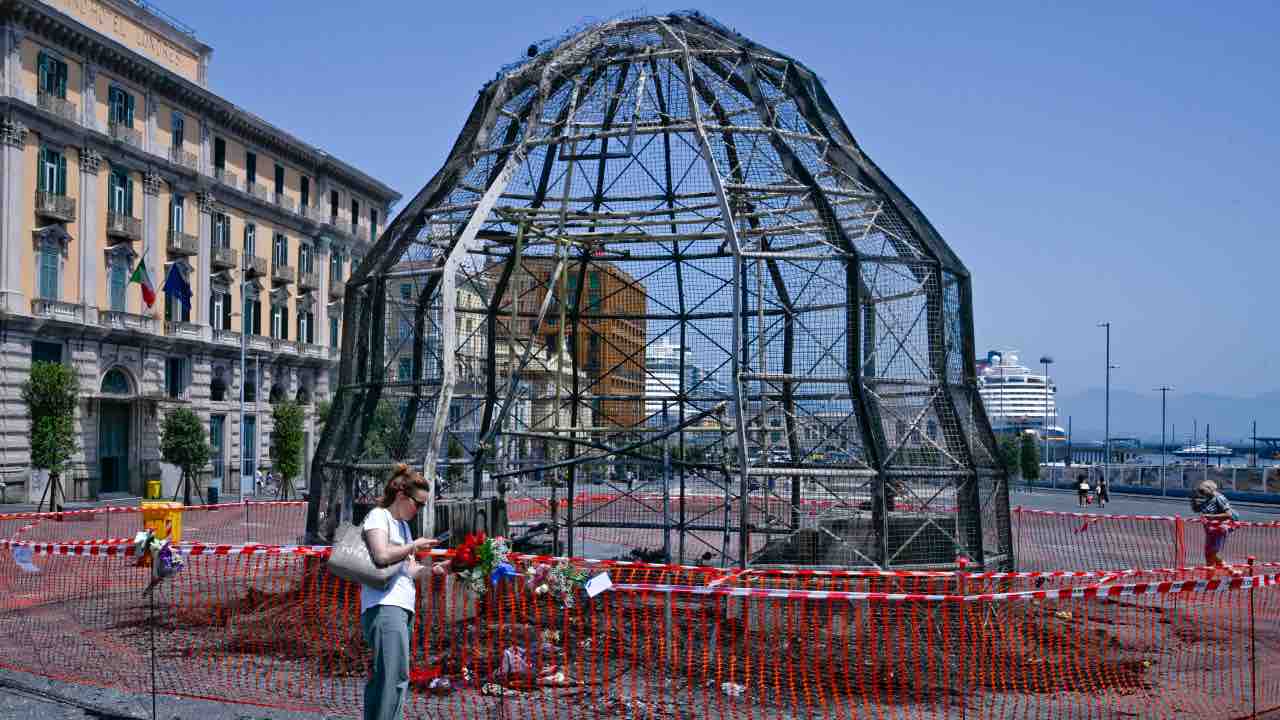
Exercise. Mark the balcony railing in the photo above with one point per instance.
(181, 243)
(337, 290)
(313, 213)
(315, 351)
(259, 191)
(285, 346)
(119, 320)
(50, 308)
(125, 134)
(226, 337)
(282, 273)
(183, 158)
(285, 202)
(225, 257)
(308, 281)
(124, 226)
(360, 232)
(57, 207)
(177, 328)
(56, 105)
(260, 342)
(226, 178)
(254, 265)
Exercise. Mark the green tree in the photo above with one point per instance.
(322, 411)
(1030, 458)
(286, 443)
(456, 453)
(183, 443)
(50, 395)
(384, 439)
(1007, 450)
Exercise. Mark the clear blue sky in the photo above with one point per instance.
(1115, 162)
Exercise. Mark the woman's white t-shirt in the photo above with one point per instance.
(401, 592)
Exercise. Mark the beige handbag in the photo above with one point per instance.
(350, 560)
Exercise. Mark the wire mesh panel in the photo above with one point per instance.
(660, 300)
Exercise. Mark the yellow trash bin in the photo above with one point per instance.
(164, 519)
(153, 490)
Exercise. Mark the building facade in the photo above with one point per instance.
(114, 153)
(609, 343)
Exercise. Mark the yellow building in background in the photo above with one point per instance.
(113, 151)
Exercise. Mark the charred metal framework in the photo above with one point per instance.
(823, 408)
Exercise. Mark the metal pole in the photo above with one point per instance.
(1044, 422)
(244, 307)
(1106, 441)
(1164, 393)
(666, 490)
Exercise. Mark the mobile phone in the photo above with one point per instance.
(443, 537)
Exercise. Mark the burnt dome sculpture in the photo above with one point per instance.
(659, 294)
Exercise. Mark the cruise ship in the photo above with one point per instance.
(1017, 398)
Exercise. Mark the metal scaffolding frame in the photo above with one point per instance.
(664, 180)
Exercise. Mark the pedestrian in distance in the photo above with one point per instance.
(1218, 515)
(386, 615)
(1104, 491)
(1082, 489)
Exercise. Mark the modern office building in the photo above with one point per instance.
(115, 152)
(609, 340)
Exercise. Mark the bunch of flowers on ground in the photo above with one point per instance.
(480, 561)
(560, 581)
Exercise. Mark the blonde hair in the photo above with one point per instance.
(1207, 487)
(402, 481)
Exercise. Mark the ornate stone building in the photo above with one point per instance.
(113, 150)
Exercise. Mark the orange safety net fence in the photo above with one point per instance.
(268, 625)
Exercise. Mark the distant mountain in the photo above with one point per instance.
(1138, 415)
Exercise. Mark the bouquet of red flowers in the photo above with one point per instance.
(479, 559)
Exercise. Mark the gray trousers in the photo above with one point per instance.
(386, 632)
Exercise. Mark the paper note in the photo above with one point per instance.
(23, 556)
(598, 584)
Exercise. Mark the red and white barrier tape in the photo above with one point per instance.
(1238, 582)
(138, 509)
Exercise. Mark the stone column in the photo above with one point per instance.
(204, 265)
(13, 35)
(320, 308)
(87, 216)
(151, 233)
(149, 125)
(206, 148)
(89, 96)
(13, 141)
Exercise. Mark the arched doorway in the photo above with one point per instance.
(115, 419)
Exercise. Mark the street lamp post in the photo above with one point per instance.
(1106, 440)
(1164, 393)
(1044, 422)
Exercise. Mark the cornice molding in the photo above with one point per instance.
(13, 132)
(114, 57)
(90, 160)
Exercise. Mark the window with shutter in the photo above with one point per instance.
(279, 179)
(119, 285)
(250, 167)
(49, 272)
(250, 240)
(306, 191)
(334, 338)
(219, 153)
(176, 213)
(179, 129)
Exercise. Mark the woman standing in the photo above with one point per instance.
(386, 615)
(1082, 489)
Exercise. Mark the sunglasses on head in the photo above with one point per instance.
(419, 503)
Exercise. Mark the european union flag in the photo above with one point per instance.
(176, 285)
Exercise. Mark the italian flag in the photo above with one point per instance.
(143, 278)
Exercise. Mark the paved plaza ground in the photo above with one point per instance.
(27, 696)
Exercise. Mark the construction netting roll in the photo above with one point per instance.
(268, 625)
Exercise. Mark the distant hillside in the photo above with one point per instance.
(1138, 415)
